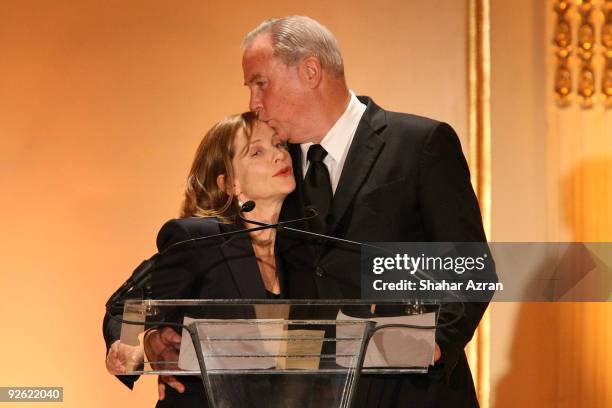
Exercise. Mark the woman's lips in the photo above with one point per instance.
(284, 172)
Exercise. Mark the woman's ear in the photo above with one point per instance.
(221, 182)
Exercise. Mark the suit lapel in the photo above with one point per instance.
(240, 258)
(361, 157)
(293, 206)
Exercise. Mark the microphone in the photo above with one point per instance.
(143, 271)
(250, 206)
(140, 274)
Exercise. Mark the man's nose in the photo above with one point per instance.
(255, 103)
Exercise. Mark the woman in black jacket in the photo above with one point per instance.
(240, 159)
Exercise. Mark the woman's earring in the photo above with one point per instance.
(240, 200)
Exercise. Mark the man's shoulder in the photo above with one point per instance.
(397, 120)
(411, 120)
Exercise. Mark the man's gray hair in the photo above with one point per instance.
(298, 37)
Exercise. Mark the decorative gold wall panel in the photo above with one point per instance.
(591, 62)
(479, 139)
(563, 40)
(606, 42)
(586, 44)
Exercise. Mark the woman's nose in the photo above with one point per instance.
(280, 155)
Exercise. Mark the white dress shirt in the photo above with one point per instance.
(337, 141)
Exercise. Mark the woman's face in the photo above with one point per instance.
(262, 169)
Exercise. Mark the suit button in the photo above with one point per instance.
(319, 272)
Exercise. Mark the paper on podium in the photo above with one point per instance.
(213, 350)
(394, 347)
(293, 352)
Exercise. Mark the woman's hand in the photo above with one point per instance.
(122, 358)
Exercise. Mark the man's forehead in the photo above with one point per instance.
(257, 56)
(258, 69)
(261, 43)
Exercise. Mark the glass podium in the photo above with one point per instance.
(279, 353)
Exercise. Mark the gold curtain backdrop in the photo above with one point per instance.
(579, 156)
(551, 181)
(479, 157)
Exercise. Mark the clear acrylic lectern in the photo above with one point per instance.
(282, 353)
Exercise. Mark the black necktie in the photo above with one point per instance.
(317, 187)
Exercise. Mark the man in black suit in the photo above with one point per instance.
(374, 175)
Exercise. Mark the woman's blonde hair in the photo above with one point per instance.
(203, 197)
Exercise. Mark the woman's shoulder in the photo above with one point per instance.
(181, 229)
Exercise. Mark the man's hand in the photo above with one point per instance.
(161, 346)
(437, 353)
(122, 358)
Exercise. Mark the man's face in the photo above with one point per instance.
(278, 93)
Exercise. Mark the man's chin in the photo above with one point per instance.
(274, 127)
(284, 136)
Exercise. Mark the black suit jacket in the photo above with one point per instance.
(405, 179)
(212, 269)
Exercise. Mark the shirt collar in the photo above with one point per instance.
(340, 134)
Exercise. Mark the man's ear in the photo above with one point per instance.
(310, 71)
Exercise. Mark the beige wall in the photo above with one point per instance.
(101, 107)
(519, 196)
(523, 356)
